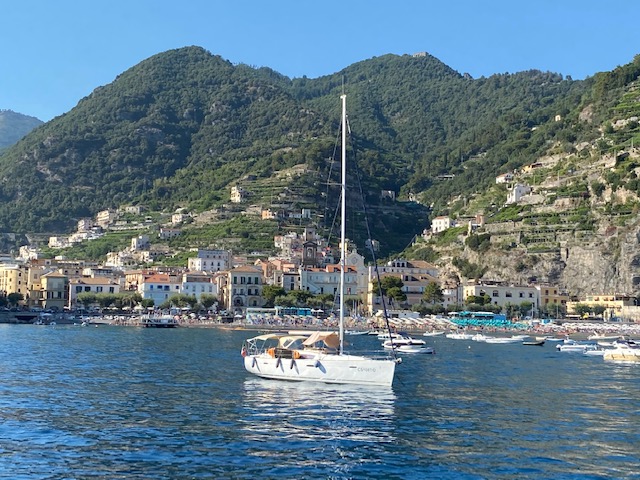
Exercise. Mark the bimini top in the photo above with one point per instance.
(330, 339)
(284, 340)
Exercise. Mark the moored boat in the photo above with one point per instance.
(320, 357)
(622, 353)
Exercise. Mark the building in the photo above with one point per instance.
(238, 194)
(552, 300)
(105, 218)
(210, 261)
(159, 287)
(14, 278)
(166, 233)
(516, 193)
(241, 288)
(54, 292)
(502, 294)
(196, 284)
(95, 285)
(440, 224)
(141, 242)
(505, 178)
(326, 280)
(415, 276)
(613, 304)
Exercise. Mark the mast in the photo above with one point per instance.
(343, 216)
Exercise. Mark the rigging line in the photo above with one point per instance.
(373, 254)
(333, 162)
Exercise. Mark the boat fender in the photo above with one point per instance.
(278, 362)
(317, 364)
(253, 364)
(398, 361)
(296, 354)
(293, 363)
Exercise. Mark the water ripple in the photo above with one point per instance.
(135, 403)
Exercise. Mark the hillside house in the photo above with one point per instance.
(505, 178)
(440, 224)
(516, 193)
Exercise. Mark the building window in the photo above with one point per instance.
(495, 293)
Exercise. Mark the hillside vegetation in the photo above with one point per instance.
(14, 126)
(180, 128)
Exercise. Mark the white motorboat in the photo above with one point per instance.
(320, 357)
(356, 332)
(576, 347)
(603, 337)
(459, 336)
(623, 353)
(434, 333)
(596, 352)
(413, 349)
(404, 343)
(503, 340)
(479, 337)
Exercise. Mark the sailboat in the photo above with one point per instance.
(320, 356)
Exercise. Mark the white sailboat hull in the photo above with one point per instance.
(343, 369)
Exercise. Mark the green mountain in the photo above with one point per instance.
(180, 128)
(14, 126)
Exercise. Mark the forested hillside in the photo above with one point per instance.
(178, 129)
(14, 126)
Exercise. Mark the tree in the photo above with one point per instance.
(387, 283)
(396, 293)
(87, 298)
(432, 293)
(300, 296)
(14, 298)
(207, 301)
(270, 292)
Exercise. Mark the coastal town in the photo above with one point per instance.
(228, 287)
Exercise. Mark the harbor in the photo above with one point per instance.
(177, 403)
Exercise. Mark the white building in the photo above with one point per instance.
(440, 224)
(517, 192)
(238, 194)
(141, 242)
(93, 285)
(504, 178)
(198, 284)
(210, 261)
(159, 287)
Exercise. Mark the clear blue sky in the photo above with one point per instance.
(55, 52)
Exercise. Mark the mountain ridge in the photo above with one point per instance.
(181, 127)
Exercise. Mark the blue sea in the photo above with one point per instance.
(131, 403)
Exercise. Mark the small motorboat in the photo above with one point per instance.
(503, 340)
(433, 333)
(403, 340)
(356, 332)
(413, 349)
(576, 347)
(534, 342)
(460, 336)
(603, 337)
(597, 352)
